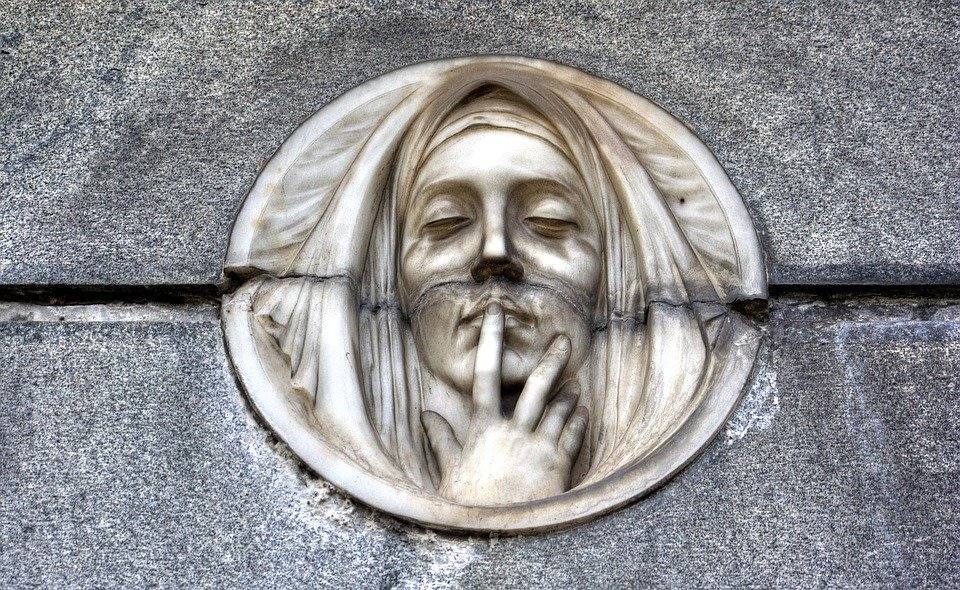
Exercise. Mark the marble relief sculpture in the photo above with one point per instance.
(493, 293)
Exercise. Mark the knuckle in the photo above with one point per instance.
(483, 369)
(545, 371)
(556, 356)
(489, 366)
(538, 374)
(538, 382)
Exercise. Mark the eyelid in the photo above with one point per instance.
(446, 219)
(443, 206)
(444, 227)
(557, 211)
(558, 221)
(550, 227)
(549, 217)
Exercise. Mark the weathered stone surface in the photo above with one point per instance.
(132, 132)
(128, 458)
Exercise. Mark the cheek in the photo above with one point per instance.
(562, 318)
(586, 263)
(425, 263)
(446, 350)
(573, 262)
(555, 316)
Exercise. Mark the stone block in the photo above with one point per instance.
(132, 132)
(128, 457)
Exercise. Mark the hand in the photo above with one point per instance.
(526, 457)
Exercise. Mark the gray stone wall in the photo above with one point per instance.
(131, 132)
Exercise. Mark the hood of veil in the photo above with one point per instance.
(322, 223)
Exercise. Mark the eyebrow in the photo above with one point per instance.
(554, 185)
(436, 188)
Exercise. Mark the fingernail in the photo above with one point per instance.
(494, 308)
(563, 343)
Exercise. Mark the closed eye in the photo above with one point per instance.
(445, 226)
(551, 227)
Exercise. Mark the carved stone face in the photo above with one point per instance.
(498, 215)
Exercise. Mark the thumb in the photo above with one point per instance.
(443, 441)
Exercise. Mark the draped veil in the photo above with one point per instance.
(319, 232)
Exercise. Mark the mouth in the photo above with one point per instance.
(514, 316)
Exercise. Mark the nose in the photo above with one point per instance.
(496, 258)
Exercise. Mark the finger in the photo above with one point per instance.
(558, 412)
(486, 367)
(443, 441)
(571, 439)
(541, 382)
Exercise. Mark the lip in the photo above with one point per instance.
(513, 315)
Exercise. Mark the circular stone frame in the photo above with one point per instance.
(260, 365)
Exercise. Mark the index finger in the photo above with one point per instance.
(486, 366)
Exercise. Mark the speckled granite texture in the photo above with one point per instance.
(130, 459)
(132, 132)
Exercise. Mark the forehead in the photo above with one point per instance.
(495, 156)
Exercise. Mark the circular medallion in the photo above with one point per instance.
(493, 294)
